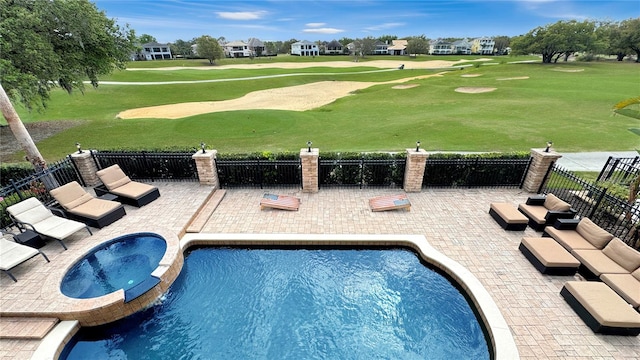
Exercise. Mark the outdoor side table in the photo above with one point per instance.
(30, 238)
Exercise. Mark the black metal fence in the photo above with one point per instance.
(150, 166)
(37, 185)
(361, 173)
(620, 170)
(613, 214)
(475, 172)
(259, 173)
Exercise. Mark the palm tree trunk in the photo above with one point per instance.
(20, 132)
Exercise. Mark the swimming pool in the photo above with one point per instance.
(125, 262)
(256, 303)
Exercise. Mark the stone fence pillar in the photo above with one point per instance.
(310, 161)
(87, 167)
(414, 170)
(206, 164)
(540, 163)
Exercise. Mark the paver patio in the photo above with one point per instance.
(454, 221)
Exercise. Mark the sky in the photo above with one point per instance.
(326, 20)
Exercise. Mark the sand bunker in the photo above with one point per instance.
(514, 78)
(474, 90)
(292, 98)
(470, 75)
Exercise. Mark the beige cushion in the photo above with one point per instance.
(549, 252)
(622, 254)
(593, 233)
(71, 195)
(113, 177)
(535, 212)
(636, 274)
(30, 211)
(133, 190)
(569, 239)
(95, 208)
(509, 213)
(598, 262)
(554, 203)
(607, 307)
(626, 285)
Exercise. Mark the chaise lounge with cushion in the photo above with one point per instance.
(82, 206)
(13, 254)
(581, 234)
(33, 215)
(543, 210)
(616, 258)
(626, 285)
(129, 192)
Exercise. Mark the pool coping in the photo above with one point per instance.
(502, 341)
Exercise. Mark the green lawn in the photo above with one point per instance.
(573, 109)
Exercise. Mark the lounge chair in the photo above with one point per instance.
(282, 202)
(82, 206)
(31, 214)
(543, 210)
(390, 202)
(13, 254)
(129, 192)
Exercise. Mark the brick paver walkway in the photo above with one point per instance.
(454, 221)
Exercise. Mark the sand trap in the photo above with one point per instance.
(292, 98)
(405, 86)
(514, 78)
(568, 70)
(470, 75)
(474, 90)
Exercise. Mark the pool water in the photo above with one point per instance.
(121, 263)
(296, 304)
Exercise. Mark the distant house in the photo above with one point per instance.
(304, 48)
(381, 48)
(334, 48)
(483, 46)
(462, 47)
(398, 47)
(154, 51)
(236, 49)
(256, 47)
(441, 47)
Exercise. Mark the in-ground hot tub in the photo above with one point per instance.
(125, 262)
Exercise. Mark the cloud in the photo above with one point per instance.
(242, 15)
(315, 25)
(384, 26)
(323, 31)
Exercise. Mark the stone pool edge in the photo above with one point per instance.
(503, 343)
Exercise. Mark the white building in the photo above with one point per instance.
(156, 51)
(304, 48)
(483, 46)
(236, 49)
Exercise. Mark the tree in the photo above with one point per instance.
(286, 46)
(49, 43)
(387, 39)
(209, 48)
(418, 45)
(501, 43)
(555, 40)
(146, 38)
(181, 47)
(630, 35)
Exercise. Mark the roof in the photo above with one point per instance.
(236, 43)
(253, 42)
(334, 43)
(152, 44)
(398, 44)
(304, 42)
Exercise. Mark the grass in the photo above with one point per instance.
(573, 109)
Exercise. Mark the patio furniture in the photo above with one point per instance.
(31, 214)
(578, 235)
(549, 257)
(26, 237)
(82, 206)
(626, 285)
(616, 258)
(601, 308)
(282, 202)
(116, 182)
(390, 202)
(543, 210)
(508, 216)
(13, 254)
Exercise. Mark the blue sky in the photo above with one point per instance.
(270, 20)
